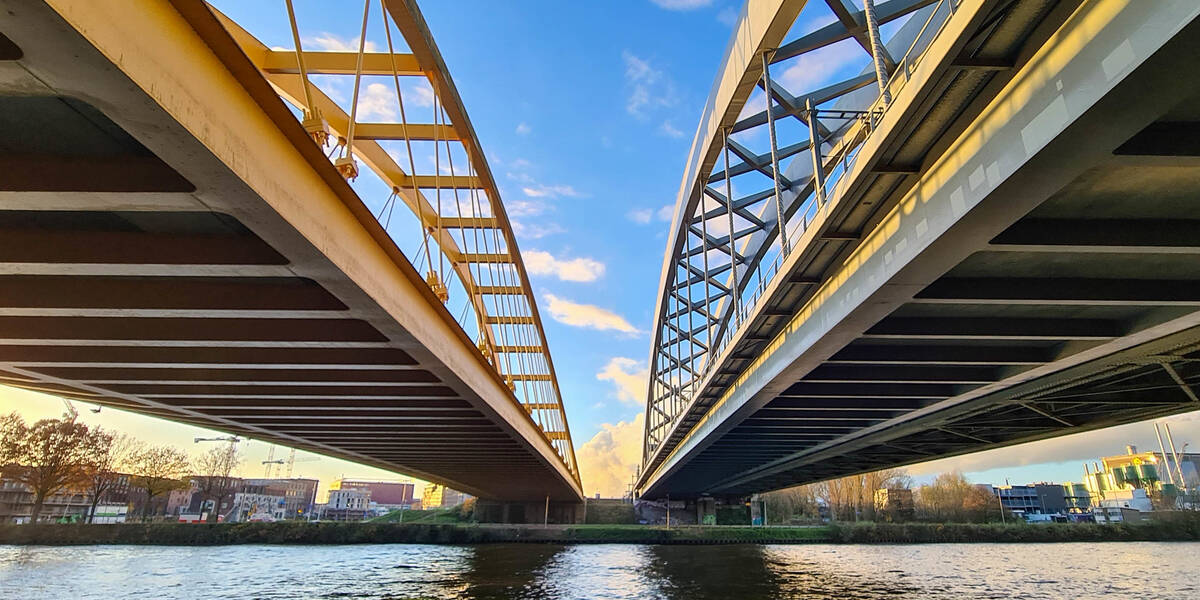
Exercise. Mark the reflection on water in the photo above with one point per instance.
(528, 571)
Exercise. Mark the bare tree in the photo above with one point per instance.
(951, 498)
(158, 470)
(216, 476)
(49, 456)
(847, 497)
(105, 466)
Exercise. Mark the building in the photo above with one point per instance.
(1076, 497)
(894, 504)
(16, 504)
(440, 496)
(254, 506)
(386, 495)
(1139, 480)
(350, 504)
(1032, 499)
(110, 513)
(179, 500)
(299, 494)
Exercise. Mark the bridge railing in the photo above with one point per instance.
(804, 193)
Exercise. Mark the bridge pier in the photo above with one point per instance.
(532, 513)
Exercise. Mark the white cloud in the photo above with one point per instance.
(728, 16)
(629, 377)
(1080, 447)
(525, 208)
(538, 190)
(536, 231)
(423, 94)
(578, 269)
(608, 461)
(681, 4)
(649, 87)
(641, 216)
(815, 70)
(669, 131)
(377, 102)
(586, 315)
(523, 128)
(331, 43)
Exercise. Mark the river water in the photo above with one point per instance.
(959, 572)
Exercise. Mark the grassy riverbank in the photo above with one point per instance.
(1186, 528)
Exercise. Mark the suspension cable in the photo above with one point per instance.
(412, 169)
(346, 165)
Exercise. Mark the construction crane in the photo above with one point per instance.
(290, 462)
(233, 439)
(71, 413)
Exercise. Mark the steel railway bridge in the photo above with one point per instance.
(984, 232)
(192, 228)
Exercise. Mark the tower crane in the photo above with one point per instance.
(290, 462)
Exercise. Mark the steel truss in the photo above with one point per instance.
(467, 242)
(727, 241)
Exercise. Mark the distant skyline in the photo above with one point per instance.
(586, 112)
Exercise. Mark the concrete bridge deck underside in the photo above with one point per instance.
(173, 243)
(1036, 276)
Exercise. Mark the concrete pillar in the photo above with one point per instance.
(758, 510)
(706, 511)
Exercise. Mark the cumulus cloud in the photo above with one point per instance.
(1080, 447)
(628, 376)
(536, 231)
(817, 69)
(377, 102)
(329, 42)
(586, 315)
(668, 130)
(643, 216)
(525, 208)
(681, 4)
(539, 190)
(579, 269)
(649, 87)
(608, 461)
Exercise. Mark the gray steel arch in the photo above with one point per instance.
(725, 243)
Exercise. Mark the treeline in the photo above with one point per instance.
(1183, 526)
(950, 498)
(55, 456)
(1167, 527)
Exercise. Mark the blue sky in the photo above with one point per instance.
(586, 111)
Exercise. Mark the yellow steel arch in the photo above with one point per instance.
(494, 276)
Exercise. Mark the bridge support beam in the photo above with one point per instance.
(530, 513)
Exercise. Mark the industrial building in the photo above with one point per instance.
(384, 495)
(440, 496)
(1033, 499)
(349, 504)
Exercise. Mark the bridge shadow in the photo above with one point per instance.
(503, 571)
(727, 571)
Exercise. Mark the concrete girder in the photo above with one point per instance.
(246, 159)
(953, 188)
